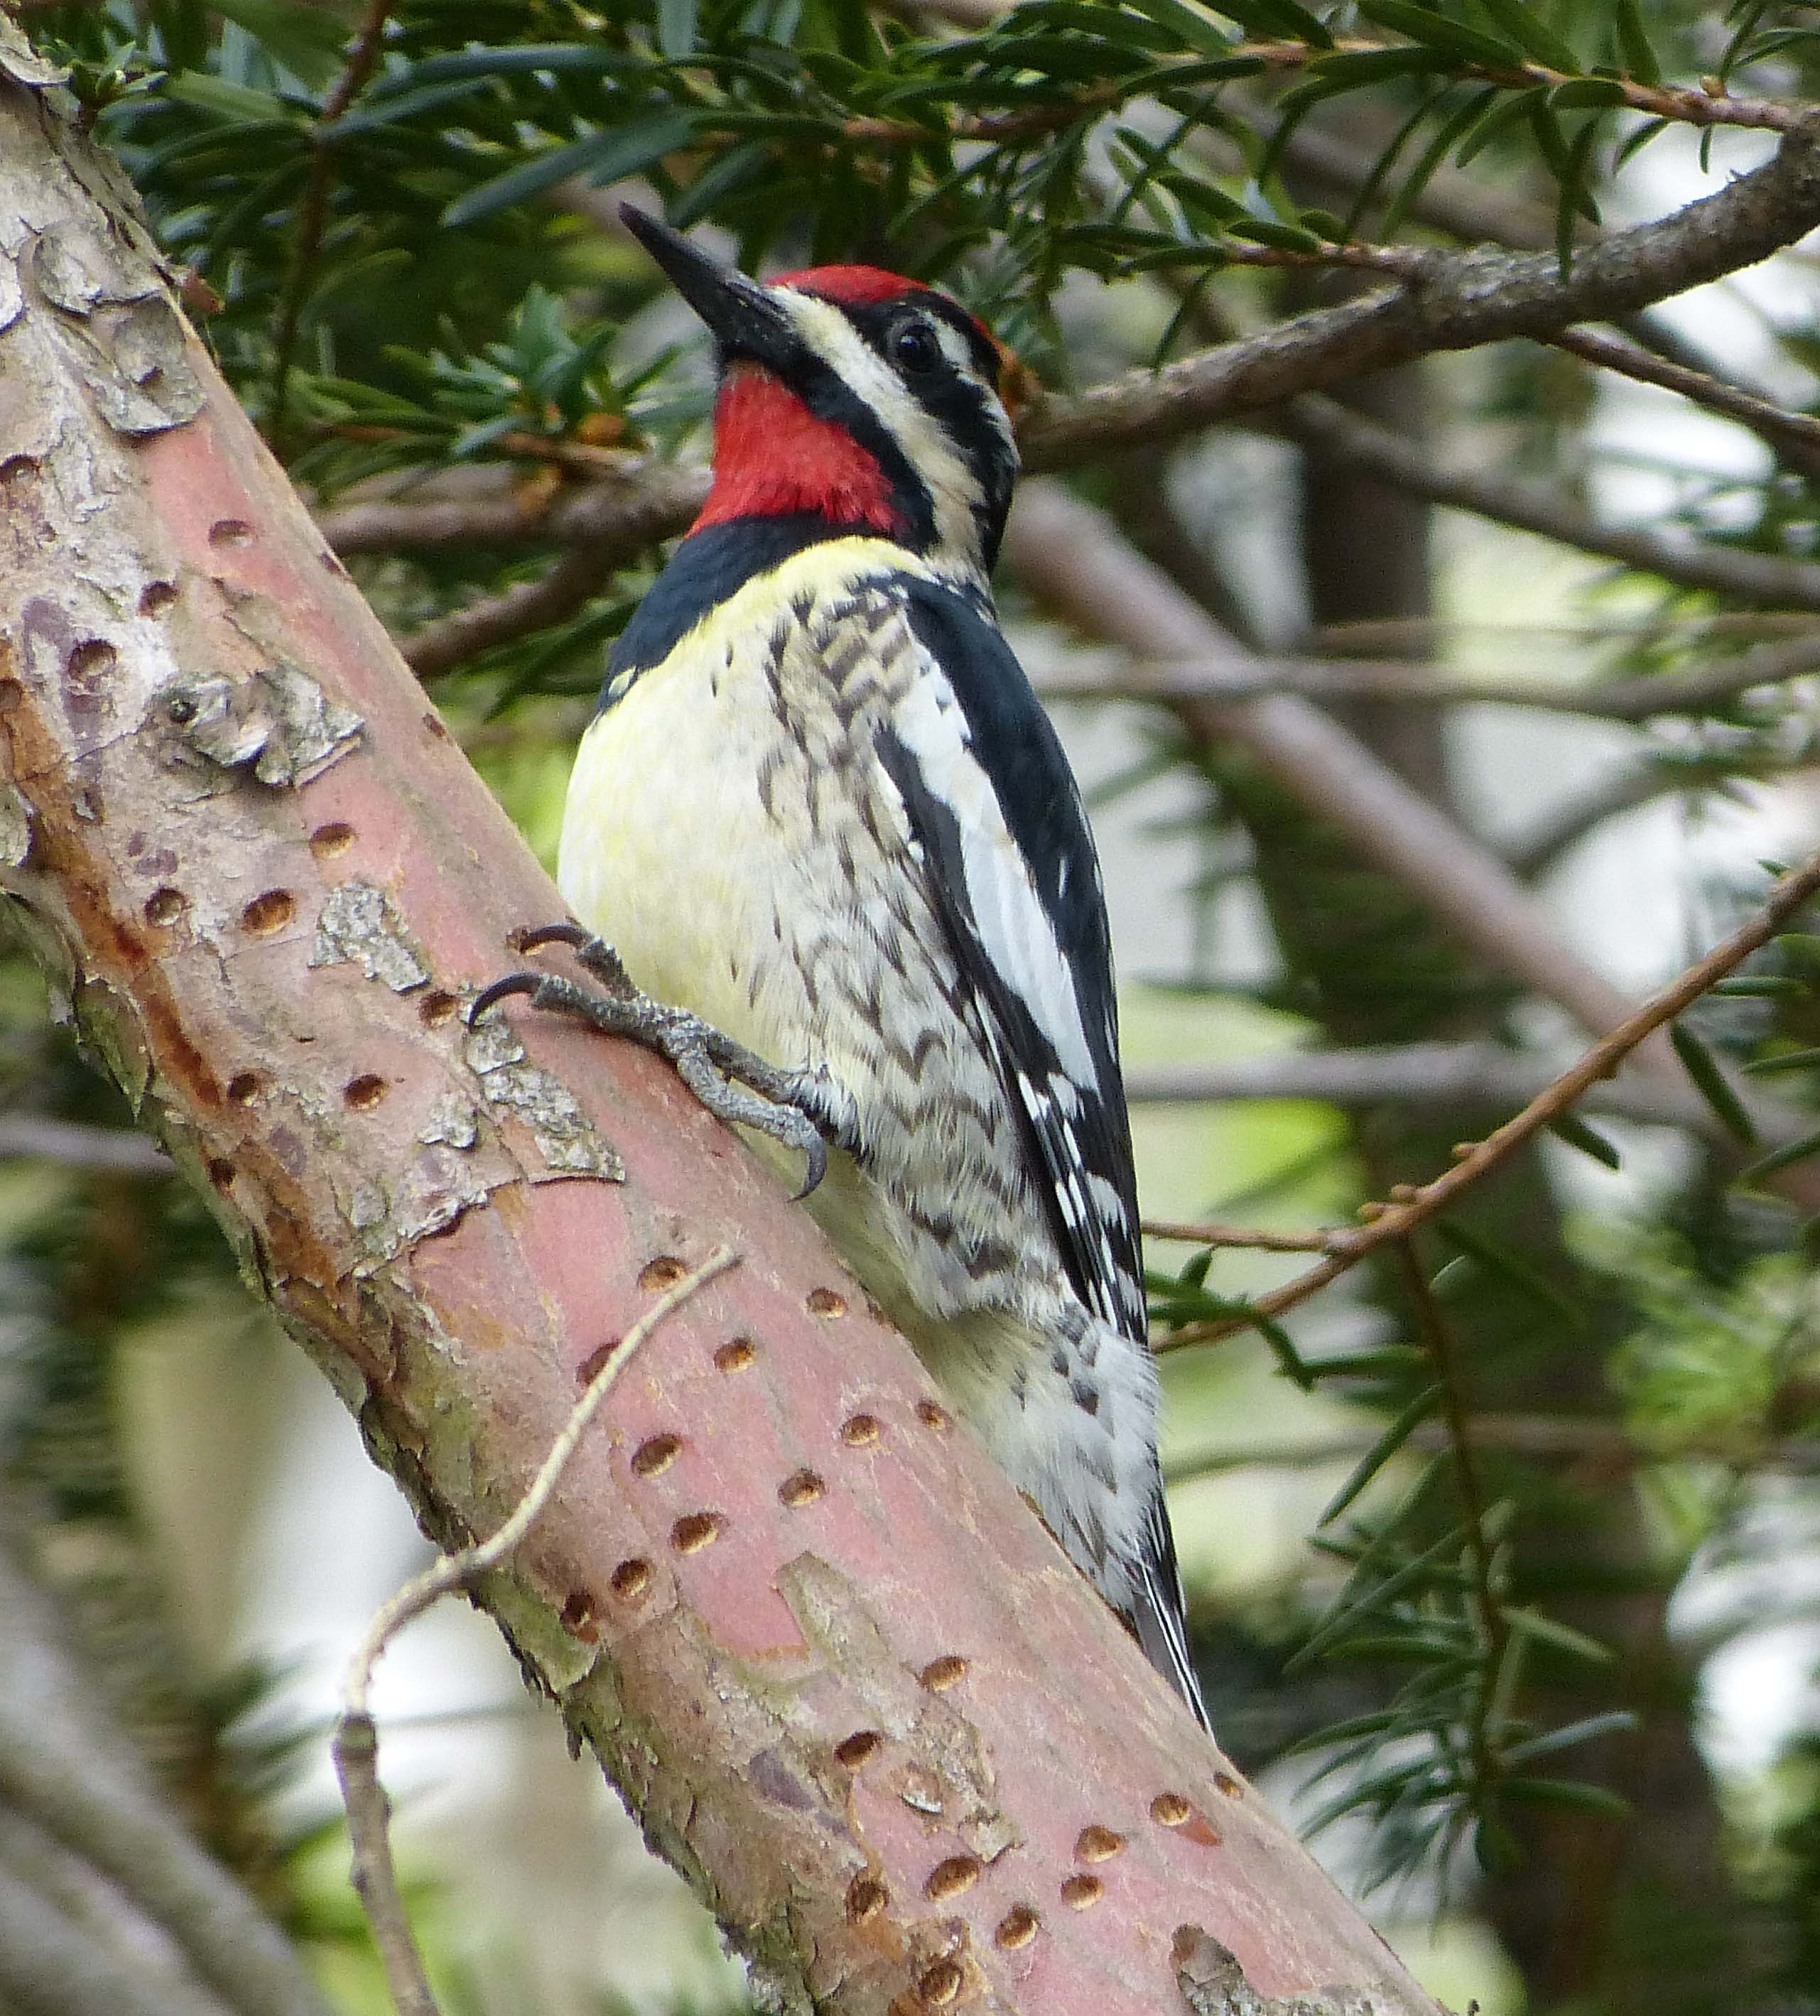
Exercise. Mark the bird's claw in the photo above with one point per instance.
(735, 1084)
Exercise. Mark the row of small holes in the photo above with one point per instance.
(866, 1897)
(272, 911)
(667, 1270)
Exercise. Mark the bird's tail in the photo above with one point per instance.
(1159, 1610)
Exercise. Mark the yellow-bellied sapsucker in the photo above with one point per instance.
(821, 818)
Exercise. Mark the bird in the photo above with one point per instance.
(823, 850)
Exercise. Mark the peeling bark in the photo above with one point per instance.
(849, 1687)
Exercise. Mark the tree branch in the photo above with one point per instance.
(1349, 436)
(1462, 300)
(1445, 1078)
(355, 1747)
(1456, 302)
(69, 1774)
(760, 1594)
(1391, 1223)
(440, 647)
(621, 516)
(1419, 681)
(1072, 557)
(1781, 428)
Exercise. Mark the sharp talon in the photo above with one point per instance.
(489, 997)
(572, 935)
(815, 1153)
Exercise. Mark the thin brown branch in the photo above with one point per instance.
(312, 210)
(1775, 423)
(117, 1151)
(1420, 683)
(1347, 436)
(1608, 1445)
(1250, 1237)
(1441, 1078)
(451, 641)
(356, 1744)
(622, 515)
(1395, 1221)
(354, 1748)
(1460, 301)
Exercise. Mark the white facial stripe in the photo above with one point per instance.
(954, 490)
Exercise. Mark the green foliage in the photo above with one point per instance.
(542, 382)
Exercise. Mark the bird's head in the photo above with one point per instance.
(855, 395)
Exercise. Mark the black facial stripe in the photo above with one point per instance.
(957, 405)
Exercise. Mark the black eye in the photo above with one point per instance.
(914, 347)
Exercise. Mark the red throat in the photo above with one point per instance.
(773, 456)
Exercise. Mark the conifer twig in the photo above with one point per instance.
(313, 211)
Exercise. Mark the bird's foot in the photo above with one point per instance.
(734, 1083)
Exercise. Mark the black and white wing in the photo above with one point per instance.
(992, 803)
(1013, 872)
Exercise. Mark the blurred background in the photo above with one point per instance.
(1596, 1787)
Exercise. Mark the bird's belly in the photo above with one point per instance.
(666, 854)
(760, 883)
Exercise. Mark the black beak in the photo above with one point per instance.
(743, 316)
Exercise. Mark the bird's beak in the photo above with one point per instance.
(745, 317)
